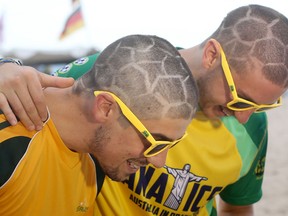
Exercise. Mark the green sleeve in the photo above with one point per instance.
(78, 67)
(248, 189)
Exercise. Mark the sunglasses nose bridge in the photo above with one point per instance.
(154, 150)
(158, 160)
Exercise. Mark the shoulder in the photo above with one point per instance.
(257, 121)
(255, 129)
(14, 143)
(12, 150)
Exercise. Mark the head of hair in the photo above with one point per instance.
(148, 74)
(256, 33)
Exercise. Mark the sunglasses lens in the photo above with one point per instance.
(157, 149)
(240, 105)
(174, 144)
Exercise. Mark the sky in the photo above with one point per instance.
(37, 24)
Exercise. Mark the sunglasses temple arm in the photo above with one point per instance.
(227, 74)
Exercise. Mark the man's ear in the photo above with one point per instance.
(211, 53)
(104, 107)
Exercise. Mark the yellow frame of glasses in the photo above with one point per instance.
(156, 145)
(236, 98)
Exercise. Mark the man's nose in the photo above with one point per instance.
(243, 116)
(159, 159)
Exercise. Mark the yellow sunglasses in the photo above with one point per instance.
(156, 145)
(240, 104)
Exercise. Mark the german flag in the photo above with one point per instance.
(73, 23)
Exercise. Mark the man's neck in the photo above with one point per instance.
(193, 58)
(66, 117)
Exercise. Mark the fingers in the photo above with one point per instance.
(31, 121)
(19, 87)
(11, 118)
(10, 77)
(28, 103)
(34, 103)
(52, 81)
(17, 109)
(38, 96)
(17, 98)
(21, 94)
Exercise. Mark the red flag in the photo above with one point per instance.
(73, 23)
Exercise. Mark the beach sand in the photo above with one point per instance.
(275, 189)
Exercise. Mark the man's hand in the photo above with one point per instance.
(21, 94)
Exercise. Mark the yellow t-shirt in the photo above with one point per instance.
(40, 176)
(214, 156)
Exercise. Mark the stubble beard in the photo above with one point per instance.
(97, 145)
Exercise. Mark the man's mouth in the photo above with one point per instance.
(136, 164)
(225, 111)
(133, 165)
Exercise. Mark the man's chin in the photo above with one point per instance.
(118, 178)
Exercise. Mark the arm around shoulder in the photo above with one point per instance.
(21, 93)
